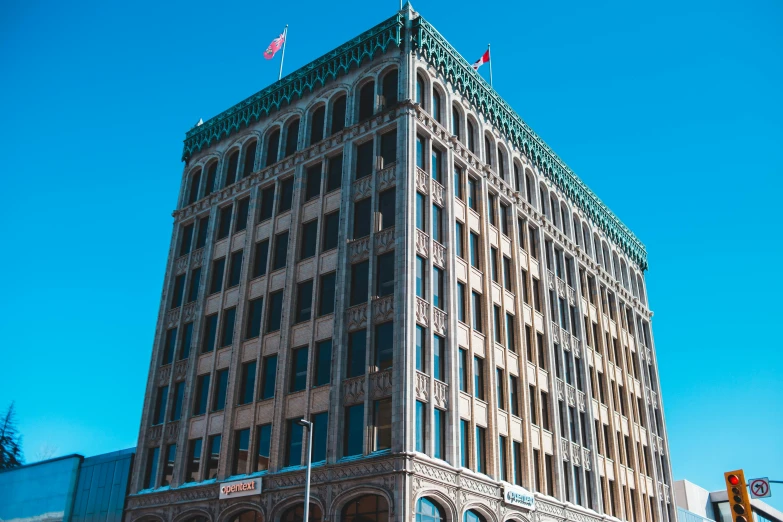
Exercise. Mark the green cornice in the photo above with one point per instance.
(438, 52)
(310, 77)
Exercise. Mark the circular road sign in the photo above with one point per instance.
(759, 488)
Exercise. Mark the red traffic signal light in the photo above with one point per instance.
(734, 480)
(739, 501)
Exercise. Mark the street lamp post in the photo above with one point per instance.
(309, 427)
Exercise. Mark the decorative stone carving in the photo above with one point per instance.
(362, 188)
(434, 472)
(576, 346)
(441, 394)
(357, 317)
(387, 177)
(359, 249)
(422, 243)
(353, 390)
(565, 448)
(555, 333)
(560, 389)
(580, 400)
(566, 341)
(197, 258)
(439, 321)
(587, 459)
(383, 309)
(171, 431)
(571, 296)
(180, 369)
(380, 384)
(561, 286)
(437, 193)
(189, 311)
(570, 395)
(576, 453)
(422, 181)
(181, 264)
(422, 387)
(422, 309)
(661, 447)
(384, 240)
(551, 279)
(172, 317)
(438, 254)
(164, 374)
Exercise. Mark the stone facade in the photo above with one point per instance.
(537, 367)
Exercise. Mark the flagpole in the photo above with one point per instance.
(282, 57)
(490, 64)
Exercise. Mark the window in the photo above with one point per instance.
(421, 218)
(510, 344)
(169, 346)
(455, 123)
(338, 114)
(545, 411)
(384, 346)
(421, 283)
(275, 311)
(421, 426)
(241, 451)
(179, 393)
(493, 263)
(523, 280)
(488, 150)
(187, 239)
(272, 147)
(227, 337)
(481, 457)
(420, 348)
(269, 373)
(367, 101)
(203, 228)
(195, 179)
(474, 250)
(260, 257)
(491, 203)
(194, 461)
(478, 377)
(231, 171)
(389, 147)
(298, 381)
(178, 291)
(211, 177)
(362, 218)
(459, 238)
(420, 90)
(295, 432)
(357, 348)
(195, 281)
(292, 138)
(159, 416)
(471, 137)
(323, 363)
(507, 273)
(353, 442)
(317, 125)
(533, 409)
(436, 105)
(286, 195)
(304, 301)
(216, 284)
(247, 382)
(334, 179)
(437, 225)
(385, 282)
(382, 424)
(235, 269)
(330, 231)
(267, 203)
(517, 456)
(184, 347)
(463, 370)
(359, 282)
(438, 357)
(513, 395)
(210, 333)
(254, 315)
(313, 182)
(438, 293)
(458, 182)
(243, 208)
(464, 428)
(389, 88)
(150, 476)
(387, 207)
(224, 222)
(500, 383)
(537, 296)
(202, 394)
(420, 152)
(439, 433)
(219, 395)
(320, 427)
(477, 312)
(461, 302)
(472, 193)
(364, 159)
(280, 254)
(326, 299)
(502, 457)
(436, 165)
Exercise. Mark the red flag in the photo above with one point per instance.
(481, 61)
(275, 46)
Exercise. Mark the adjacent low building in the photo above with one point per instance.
(696, 504)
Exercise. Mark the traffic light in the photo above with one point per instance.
(739, 501)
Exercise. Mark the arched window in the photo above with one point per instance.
(502, 165)
(436, 105)
(420, 90)
(640, 282)
(211, 176)
(369, 508)
(231, 171)
(487, 151)
(195, 180)
(338, 114)
(564, 219)
(429, 511)
(272, 147)
(366, 101)
(586, 237)
(471, 137)
(517, 186)
(472, 516)
(250, 159)
(296, 514)
(553, 210)
(577, 235)
(455, 122)
(389, 87)
(529, 187)
(250, 515)
(317, 124)
(292, 137)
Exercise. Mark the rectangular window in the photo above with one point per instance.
(241, 451)
(247, 382)
(216, 284)
(463, 370)
(421, 218)
(421, 284)
(280, 255)
(478, 377)
(203, 228)
(169, 346)
(309, 239)
(364, 159)
(493, 263)
(313, 182)
(254, 315)
(436, 165)
(260, 258)
(194, 461)
(359, 282)
(502, 457)
(420, 152)
(334, 178)
(320, 435)
(326, 298)
(213, 457)
(481, 457)
(187, 239)
(461, 302)
(323, 363)
(537, 296)
(178, 291)
(286, 195)
(195, 281)
(477, 312)
(382, 423)
(474, 251)
(504, 219)
(523, 280)
(438, 357)
(330, 231)
(473, 193)
(438, 293)
(541, 350)
(179, 393)
(513, 395)
(362, 218)
(439, 433)
(437, 226)
(353, 441)
(235, 269)
(533, 410)
(389, 147)
(210, 333)
(510, 340)
(202, 395)
(507, 273)
(357, 349)
(387, 207)
(496, 323)
(458, 182)
(269, 374)
(264, 443)
(267, 203)
(151, 475)
(500, 383)
(275, 311)
(533, 244)
(159, 416)
(295, 432)
(224, 222)
(545, 411)
(219, 395)
(420, 348)
(491, 201)
(385, 284)
(384, 346)
(459, 240)
(298, 379)
(464, 428)
(421, 419)
(229, 318)
(304, 301)
(242, 214)
(517, 456)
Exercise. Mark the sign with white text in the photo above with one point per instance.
(517, 496)
(240, 488)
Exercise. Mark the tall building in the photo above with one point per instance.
(378, 243)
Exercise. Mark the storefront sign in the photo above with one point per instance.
(240, 488)
(516, 496)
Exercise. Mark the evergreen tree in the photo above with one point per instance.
(10, 441)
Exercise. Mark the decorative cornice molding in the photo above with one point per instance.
(438, 52)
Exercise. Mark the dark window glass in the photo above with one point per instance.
(213, 457)
(438, 357)
(464, 427)
(269, 374)
(227, 339)
(202, 395)
(389, 147)
(286, 195)
(474, 250)
(267, 203)
(247, 382)
(353, 443)
(357, 348)
(210, 333)
(330, 231)
(224, 222)
(211, 177)
(502, 457)
(179, 291)
(419, 90)
(385, 285)
(493, 263)
(334, 179)
(254, 315)
(421, 336)
(219, 398)
(496, 323)
(387, 207)
(194, 461)
(179, 393)
(275, 311)
(169, 346)
(389, 88)
(420, 152)
(216, 284)
(481, 457)
(458, 182)
(304, 301)
(326, 300)
(231, 171)
(323, 363)
(317, 125)
(338, 114)
(463, 370)
(362, 218)
(421, 426)
(367, 101)
(421, 282)
(195, 281)
(421, 218)
(517, 450)
(459, 240)
(491, 198)
(471, 137)
(473, 193)
(438, 293)
(364, 159)
(243, 207)
(272, 147)
(382, 424)
(260, 258)
(168, 470)
(203, 228)
(159, 415)
(504, 219)
(536, 296)
(264, 442)
(507, 273)
(292, 138)
(436, 105)
(320, 435)
(477, 323)
(184, 346)
(313, 182)
(241, 450)
(478, 377)
(436, 165)
(309, 239)
(298, 378)
(187, 239)
(235, 268)
(461, 316)
(250, 158)
(510, 341)
(280, 255)
(384, 346)
(150, 476)
(359, 282)
(455, 123)
(500, 382)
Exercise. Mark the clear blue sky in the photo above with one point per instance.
(670, 111)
